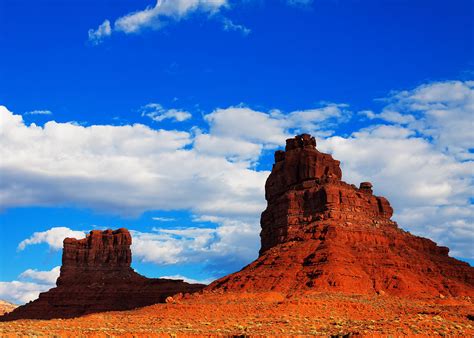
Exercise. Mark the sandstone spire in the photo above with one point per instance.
(322, 234)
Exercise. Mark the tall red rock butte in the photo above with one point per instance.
(96, 276)
(322, 234)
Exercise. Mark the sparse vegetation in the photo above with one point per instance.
(264, 314)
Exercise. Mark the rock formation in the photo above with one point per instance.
(320, 233)
(96, 276)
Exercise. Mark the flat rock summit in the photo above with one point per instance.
(96, 276)
(319, 233)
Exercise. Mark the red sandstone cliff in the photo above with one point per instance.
(320, 233)
(96, 276)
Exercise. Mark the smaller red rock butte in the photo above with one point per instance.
(96, 276)
(322, 234)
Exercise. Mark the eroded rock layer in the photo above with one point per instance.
(320, 233)
(96, 276)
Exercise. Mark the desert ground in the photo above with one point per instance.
(263, 314)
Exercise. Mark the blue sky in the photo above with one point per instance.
(163, 118)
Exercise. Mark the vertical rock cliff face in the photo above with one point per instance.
(320, 233)
(96, 276)
(101, 256)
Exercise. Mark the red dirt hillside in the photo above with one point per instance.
(96, 276)
(322, 234)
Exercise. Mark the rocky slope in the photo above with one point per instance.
(96, 276)
(320, 233)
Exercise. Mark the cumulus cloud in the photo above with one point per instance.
(155, 17)
(45, 277)
(53, 237)
(224, 146)
(21, 292)
(31, 284)
(272, 128)
(408, 169)
(318, 121)
(442, 111)
(62, 163)
(157, 113)
(113, 161)
(240, 133)
(393, 158)
(222, 249)
(242, 123)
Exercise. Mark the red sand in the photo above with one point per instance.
(267, 314)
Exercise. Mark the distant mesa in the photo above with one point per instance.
(322, 234)
(96, 276)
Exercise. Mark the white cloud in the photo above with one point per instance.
(272, 128)
(189, 280)
(229, 25)
(113, 161)
(242, 123)
(223, 248)
(163, 247)
(97, 36)
(44, 277)
(228, 147)
(318, 121)
(164, 10)
(155, 17)
(21, 292)
(443, 111)
(390, 116)
(157, 113)
(53, 237)
(240, 133)
(31, 283)
(163, 219)
(408, 169)
(39, 112)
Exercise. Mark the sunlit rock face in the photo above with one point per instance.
(96, 276)
(320, 233)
